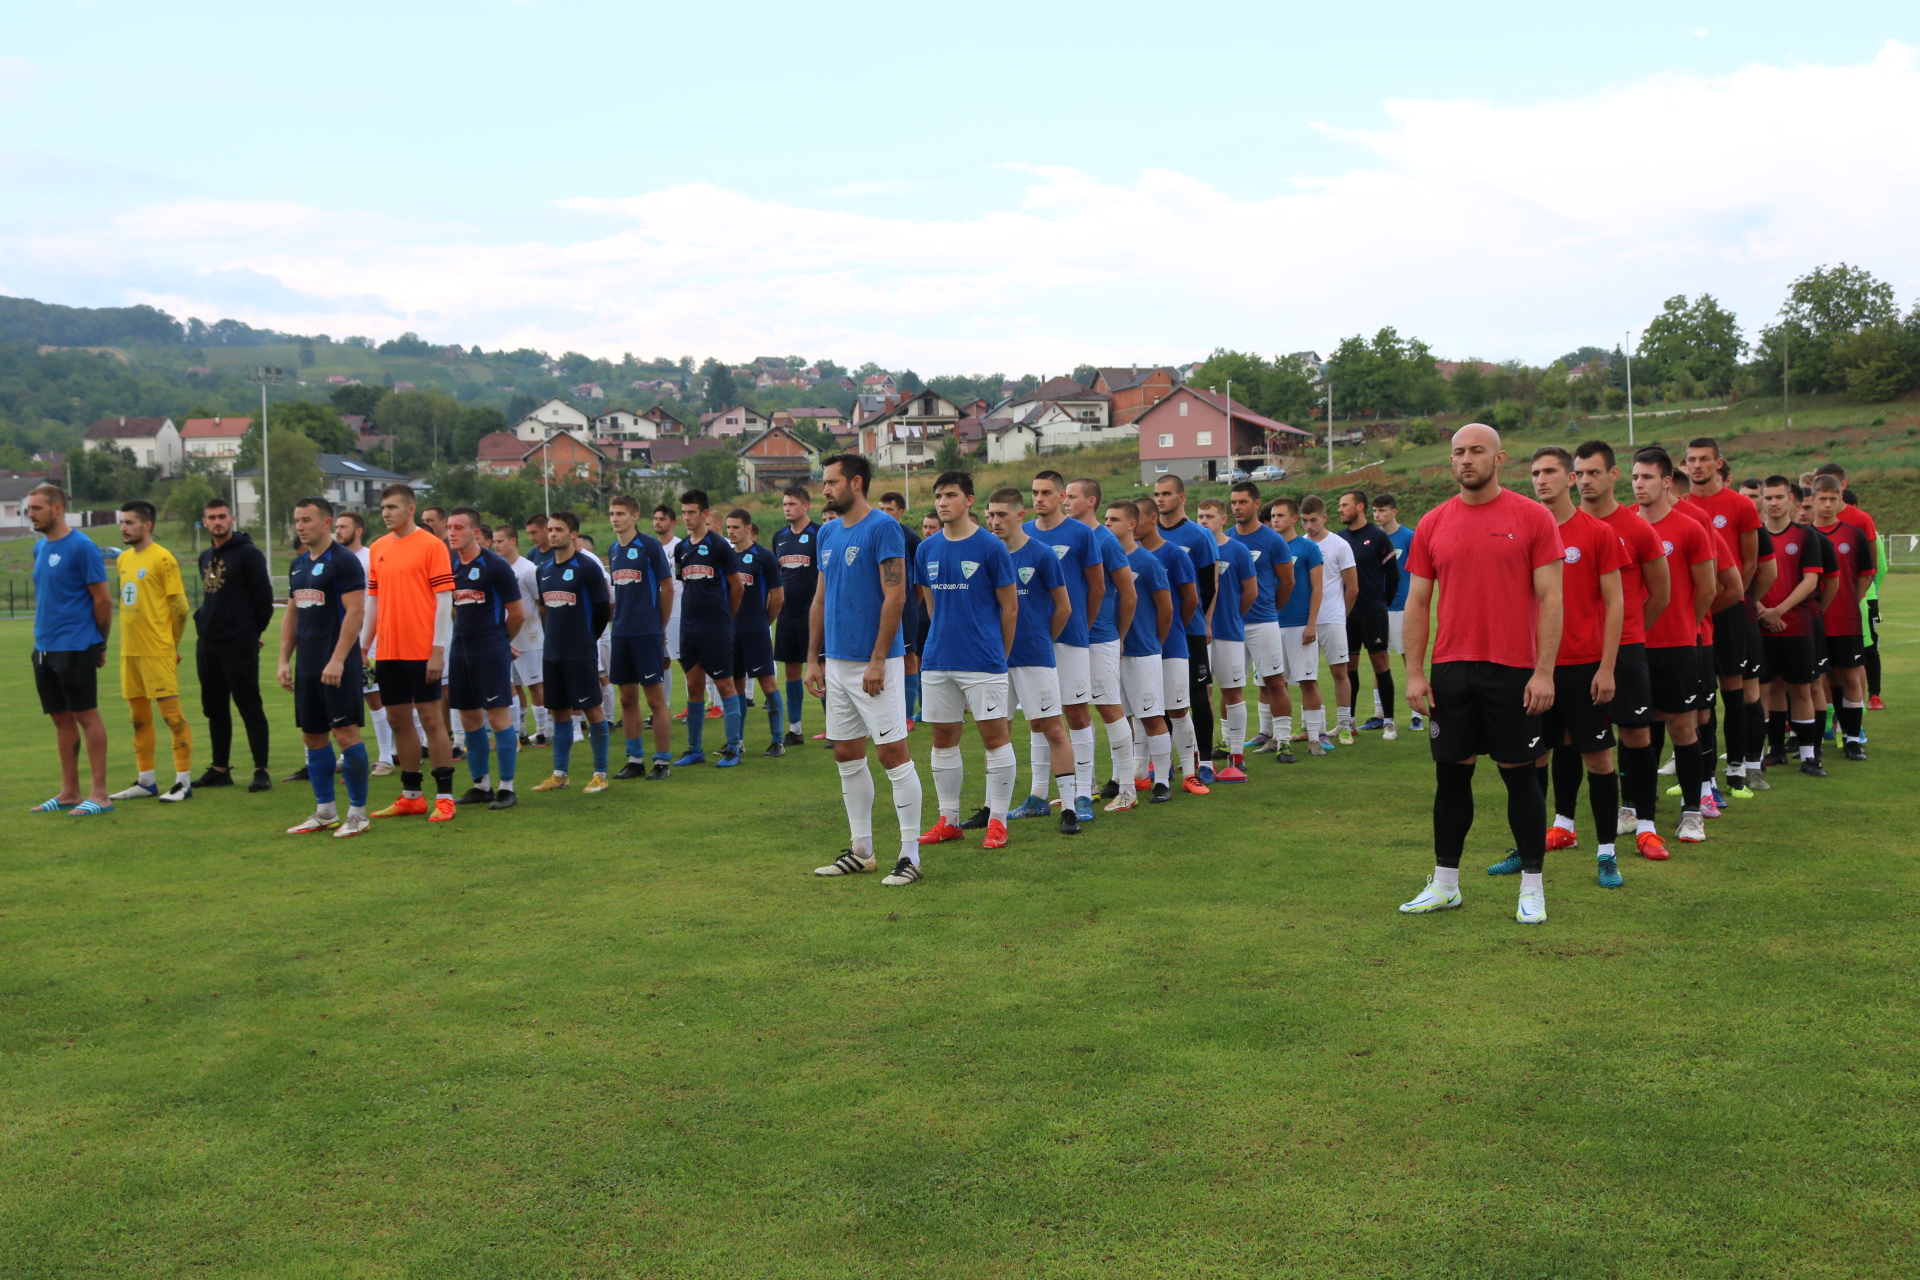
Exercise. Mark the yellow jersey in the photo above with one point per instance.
(153, 603)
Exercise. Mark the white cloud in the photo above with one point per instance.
(1488, 229)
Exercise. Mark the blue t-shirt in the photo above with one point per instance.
(482, 590)
(962, 576)
(1197, 541)
(799, 570)
(1106, 627)
(315, 585)
(1269, 551)
(1077, 549)
(1402, 539)
(1037, 570)
(1143, 637)
(568, 589)
(756, 565)
(638, 569)
(1234, 567)
(1177, 562)
(705, 570)
(1306, 558)
(541, 558)
(63, 603)
(850, 558)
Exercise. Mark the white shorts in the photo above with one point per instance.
(1036, 689)
(852, 714)
(672, 637)
(1266, 652)
(1103, 673)
(526, 668)
(1333, 642)
(1073, 668)
(1176, 693)
(1302, 658)
(948, 697)
(1142, 686)
(1395, 619)
(604, 647)
(1228, 659)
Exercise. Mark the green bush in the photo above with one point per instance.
(1421, 431)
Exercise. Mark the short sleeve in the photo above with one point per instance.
(348, 574)
(1283, 551)
(1547, 546)
(504, 582)
(1050, 570)
(1000, 564)
(1111, 556)
(657, 559)
(890, 541)
(96, 563)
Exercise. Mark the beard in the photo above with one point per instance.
(840, 506)
(1474, 481)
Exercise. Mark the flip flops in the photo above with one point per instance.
(55, 805)
(87, 809)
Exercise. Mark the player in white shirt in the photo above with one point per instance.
(350, 531)
(528, 642)
(1337, 566)
(663, 518)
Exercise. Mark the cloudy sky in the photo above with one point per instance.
(994, 186)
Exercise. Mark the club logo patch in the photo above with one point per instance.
(703, 549)
(633, 553)
(933, 570)
(967, 568)
(803, 538)
(142, 574)
(1719, 522)
(1060, 552)
(1026, 575)
(1573, 555)
(473, 574)
(1846, 548)
(1668, 546)
(567, 576)
(54, 558)
(852, 554)
(1793, 548)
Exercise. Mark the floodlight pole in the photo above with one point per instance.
(1329, 427)
(1628, 349)
(266, 375)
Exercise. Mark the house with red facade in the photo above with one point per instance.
(775, 459)
(1200, 435)
(501, 453)
(1133, 391)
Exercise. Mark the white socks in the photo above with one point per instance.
(1069, 792)
(1120, 748)
(146, 778)
(1040, 757)
(1141, 761)
(949, 773)
(1160, 750)
(1446, 877)
(383, 733)
(1283, 730)
(1189, 745)
(1342, 718)
(543, 722)
(906, 806)
(1534, 881)
(1236, 728)
(1003, 769)
(856, 792)
(1266, 719)
(1562, 821)
(1082, 740)
(1316, 723)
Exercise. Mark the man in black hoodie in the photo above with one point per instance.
(235, 607)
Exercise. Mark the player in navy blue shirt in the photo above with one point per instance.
(1083, 567)
(539, 542)
(642, 602)
(1376, 563)
(1143, 681)
(574, 610)
(854, 662)
(1045, 611)
(1170, 506)
(796, 546)
(710, 591)
(762, 600)
(320, 665)
(1236, 590)
(1182, 579)
(1104, 629)
(1386, 514)
(487, 613)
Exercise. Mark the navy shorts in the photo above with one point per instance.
(320, 708)
(480, 681)
(637, 660)
(572, 684)
(790, 638)
(711, 651)
(752, 653)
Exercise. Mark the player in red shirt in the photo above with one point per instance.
(1496, 558)
(1859, 519)
(1735, 521)
(1576, 728)
(1786, 623)
(1726, 594)
(1846, 659)
(1673, 657)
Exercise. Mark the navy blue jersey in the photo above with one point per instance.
(482, 589)
(1376, 562)
(797, 555)
(963, 576)
(756, 565)
(1078, 550)
(541, 558)
(705, 570)
(1196, 540)
(1036, 570)
(314, 587)
(568, 591)
(1177, 563)
(850, 559)
(911, 623)
(638, 568)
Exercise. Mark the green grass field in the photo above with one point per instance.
(630, 1035)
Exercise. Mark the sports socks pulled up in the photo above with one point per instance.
(796, 700)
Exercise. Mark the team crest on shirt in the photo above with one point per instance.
(933, 569)
(1255, 553)
(1026, 575)
(1573, 555)
(967, 567)
(803, 538)
(567, 576)
(473, 574)
(633, 553)
(852, 554)
(747, 558)
(1719, 522)
(54, 558)
(1060, 552)
(1667, 546)
(1846, 548)
(318, 567)
(142, 574)
(1793, 548)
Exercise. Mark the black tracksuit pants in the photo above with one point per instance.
(230, 671)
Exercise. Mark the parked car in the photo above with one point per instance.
(1269, 473)
(1232, 476)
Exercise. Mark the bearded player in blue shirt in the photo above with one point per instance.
(487, 614)
(1266, 651)
(320, 632)
(710, 591)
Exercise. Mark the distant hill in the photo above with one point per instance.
(49, 324)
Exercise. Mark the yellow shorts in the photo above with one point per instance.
(149, 677)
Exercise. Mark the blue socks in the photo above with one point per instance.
(913, 695)
(508, 743)
(600, 733)
(636, 749)
(696, 723)
(563, 744)
(773, 715)
(355, 769)
(320, 772)
(796, 695)
(736, 708)
(477, 746)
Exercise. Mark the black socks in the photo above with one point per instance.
(1526, 816)
(1453, 810)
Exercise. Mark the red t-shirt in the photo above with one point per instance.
(1730, 514)
(1796, 557)
(1592, 550)
(1723, 557)
(1855, 554)
(1687, 543)
(1638, 547)
(1864, 523)
(1482, 559)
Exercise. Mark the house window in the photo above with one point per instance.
(1161, 468)
(1203, 437)
(1183, 408)
(1166, 440)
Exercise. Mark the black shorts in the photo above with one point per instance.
(1789, 658)
(711, 651)
(1820, 655)
(320, 708)
(68, 680)
(913, 624)
(637, 660)
(1632, 706)
(572, 684)
(1730, 640)
(1755, 656)
(752, 653)
(1674, 678)
(1366, 629)
(790, 637)
(478, 682)
(1573, 720)
(403, 682)
(1709, 676)
(1480, 708)
(1845, 652)
(1199, 670)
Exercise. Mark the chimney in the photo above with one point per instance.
(123, 419)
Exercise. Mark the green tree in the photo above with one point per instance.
(294, 473)
(108, 473)
(306, 353)
(1698, 341)
(361, 400)
(1469, 388)
(475, 421)
(910, 382)
(1084, 374)
(949, 456)
(321, 424)
(721, 393)
(715, 470)
(1281, 388)
(1823, 308)
(188, 498)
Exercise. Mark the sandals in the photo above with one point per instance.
(88, 808)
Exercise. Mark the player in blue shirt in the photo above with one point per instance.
(1300, 627)
(761, 602)
(966, 584)
(1046, 610)
(1083, 568)
(913, 627)
(1177, 560)
(1143, 682)
(320, 665)
(488, 612)
(72, 611)
(574, 610)
(710, 591)
(1236, 589)
(642, 601)
(1266, 653)
(855, 663)
(1104, 629)
(539, 542)
(1386, 514)
(1170, 506)
(795, 545)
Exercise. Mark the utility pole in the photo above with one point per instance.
(266, 375)
(1628, 348)
(1786, 373)
(1329, 426)
(1229, 425)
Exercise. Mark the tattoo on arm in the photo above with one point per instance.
(890, 573)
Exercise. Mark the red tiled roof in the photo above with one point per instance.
(502, 446)
(124, 428)
(221, 428)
